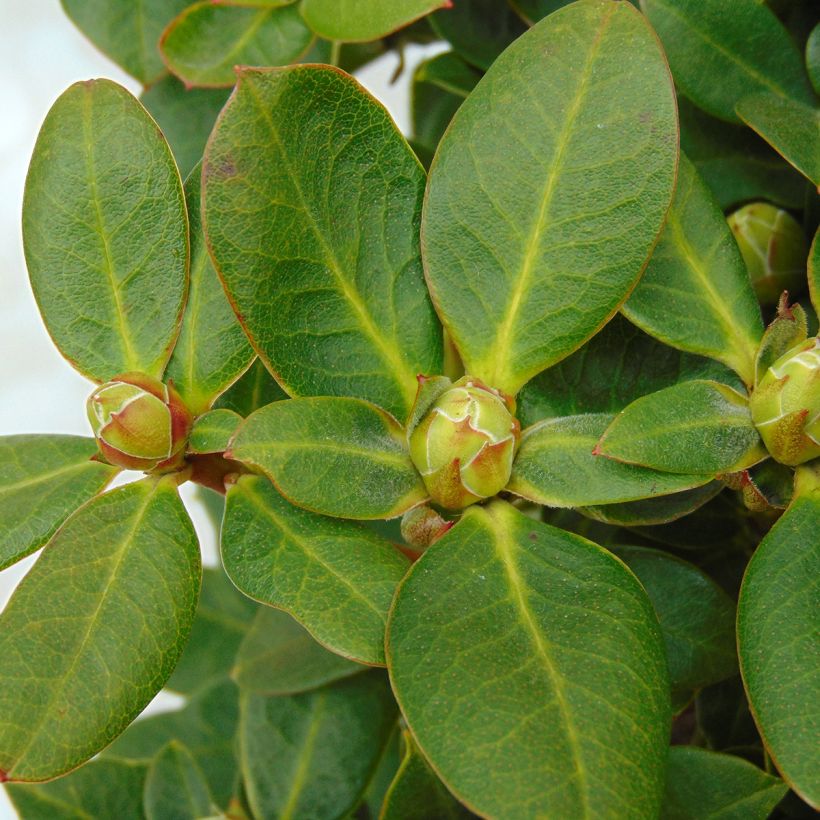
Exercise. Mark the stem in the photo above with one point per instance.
(335, 51)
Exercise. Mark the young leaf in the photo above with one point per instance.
(305, 155)
(212, 431)
(95, 629)
(253, 389)
(530, 668)
(106, 233)
(342, 457)
(43, 479)
(103, 788)
(203, 45)
(791, 127)
(717, 58)
(223, 618)
(778, 643)
(359, 21)
(555, 466)
(212, 351)
(700, 427)
(312, 755)
(696, 293)
(335, 577)
(279, 657)
(175, 787)
(704, 785)
(416, 793)
(127, 31)
(526, 260)
(697, 619)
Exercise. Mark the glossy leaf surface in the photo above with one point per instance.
(555, 466)
(530, 668)
(362, 20)
(778, 643)
(94, 630)
(696, 294)
(43, 479)
(335, 577)
(311, 755)
(279, 657)
(326, 269)
(105, 233)
(526, 260)
(212, 350)
(212, 431)
(717, 58)
(204, 44)
(342, 457)
(175, 787)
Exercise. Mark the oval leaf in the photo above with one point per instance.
(43, 479)
(717, 58)
(312, 755)
(526, 260)
(94, 630)
(212, 351)
(778, 643)
(213, 431)
(328, 195)
(700, 427)
(362, 20)
(105, 233)
(175, 787)
(530, 668)
(696, 293)
(204, 44)
(335, 577)
(342, 457)
(555, 466)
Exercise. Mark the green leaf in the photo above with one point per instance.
(335, 577)
(312, 755)
(206, 726)
(279, 657)
(702, 785)
(212, 431)
(95, 629)
(723, 716)
(175, 787)
(697, 619)
(788, 328)
(792, 128)
(105, 233)
(696, 293)
(479, 30)
(127, 31)
(813, 57)
(534, 10)
(186, 117)
(778, 643)
(700, 427)
(717, 58)
(304, 153)
(43, 479)
(358, 21)
(254, 389)
(555, 466)
(102, 789)
(526, 260)
(342, 457)
(205, 43)
(416, 793)
(212, 351)
(223, 618)
(814, 271)
(530, 668)
(614, 368)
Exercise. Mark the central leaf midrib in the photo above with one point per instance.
(397, 459)
(10, 489)
(386, 350)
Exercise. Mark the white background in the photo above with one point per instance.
(41, 54)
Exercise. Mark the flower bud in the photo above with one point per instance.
(464, 446)
(774, 249)
(785, 405)
(423, 526)
(140, 423)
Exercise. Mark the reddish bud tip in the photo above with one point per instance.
(596, 450)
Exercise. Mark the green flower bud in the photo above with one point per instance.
(140, 423)
(785, 405)
(774, 248)
(464, 446)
